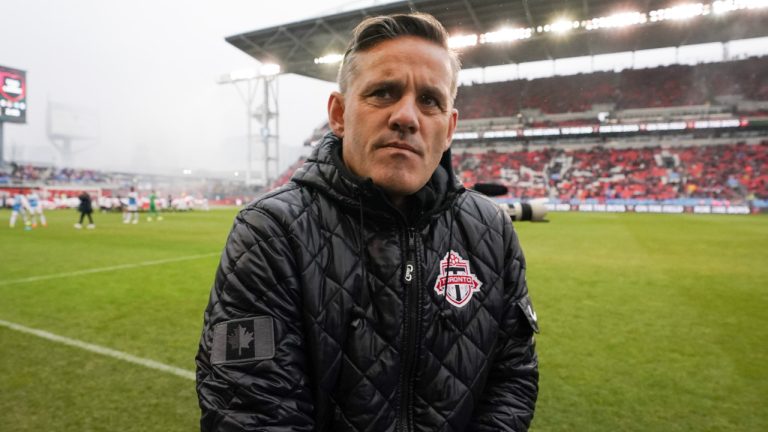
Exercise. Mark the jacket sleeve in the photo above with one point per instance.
(509, 399)
(251, 367)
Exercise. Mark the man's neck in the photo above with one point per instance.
(398, 201)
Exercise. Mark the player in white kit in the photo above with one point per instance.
(36, 209)
(20, 206)
(132, 209)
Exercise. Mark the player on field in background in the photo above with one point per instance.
(36, 209)
(132, 210)
(20, 206)
(153, 207)
(86, 209)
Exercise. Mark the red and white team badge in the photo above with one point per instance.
(455, 281)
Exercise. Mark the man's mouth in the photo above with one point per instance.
(401, 145)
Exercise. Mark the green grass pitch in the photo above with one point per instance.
(649, 322)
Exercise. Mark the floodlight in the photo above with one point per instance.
(724, 6)
(563, 26)
(328, 59)
(269, 69)
(506, 35)
(618, 20)
(462, 41)
(680, 12)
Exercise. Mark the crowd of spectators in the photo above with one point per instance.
(28, 173)
(667, 86)
(67, 183)
(748, 77)
(736, 172)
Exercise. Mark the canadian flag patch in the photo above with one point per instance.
(456, 281)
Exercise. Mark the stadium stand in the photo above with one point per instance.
(699, 166)
(21, 173)
(672, 86)
(736, 172)
(687, 168)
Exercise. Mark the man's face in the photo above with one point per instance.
(397, 116)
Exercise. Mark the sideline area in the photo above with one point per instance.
(98, 349)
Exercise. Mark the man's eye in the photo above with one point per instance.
(429, 101)
(382, 93)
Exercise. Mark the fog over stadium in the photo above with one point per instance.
(141, 78)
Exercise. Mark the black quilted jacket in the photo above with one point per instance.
(332, 311)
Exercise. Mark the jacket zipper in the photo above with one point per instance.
(410, 330)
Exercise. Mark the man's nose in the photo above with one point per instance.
(405, 116)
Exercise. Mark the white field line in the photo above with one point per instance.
(101, 350)
(106, 269)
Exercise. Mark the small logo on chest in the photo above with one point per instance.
(456, 281)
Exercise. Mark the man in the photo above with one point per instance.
(372, 292)
(36, 209)
(131, 212)
(20, 206)
(153, 208)
(86, 209)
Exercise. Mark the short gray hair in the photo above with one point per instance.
(374, 30)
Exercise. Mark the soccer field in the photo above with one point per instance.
(649, 322)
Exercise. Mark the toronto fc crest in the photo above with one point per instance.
(456, 281)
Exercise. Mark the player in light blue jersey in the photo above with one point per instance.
(131, 214)
(36, 209)
(20, 206)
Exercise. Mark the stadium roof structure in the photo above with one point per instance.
(297, 46)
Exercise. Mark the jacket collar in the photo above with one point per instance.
(325, 171)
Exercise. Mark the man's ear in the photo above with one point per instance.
(336, 113)
(451, 127)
